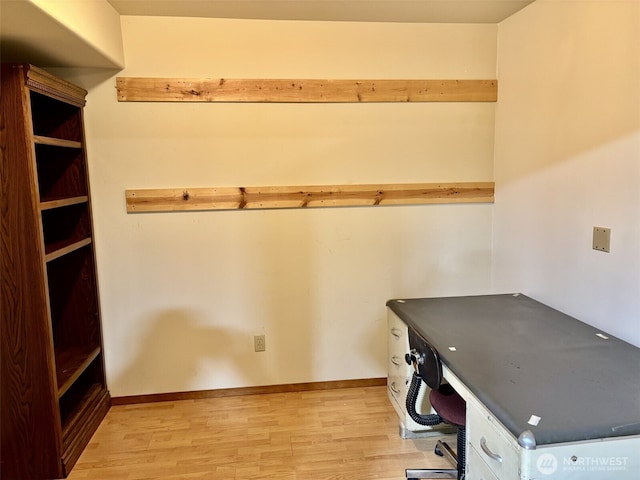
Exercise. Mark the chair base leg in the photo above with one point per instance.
(446, 452)
(414, 474)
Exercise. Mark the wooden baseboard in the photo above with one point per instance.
(232, 392)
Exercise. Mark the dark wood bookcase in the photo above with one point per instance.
(53, 389)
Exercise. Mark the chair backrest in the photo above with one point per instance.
(431, 368)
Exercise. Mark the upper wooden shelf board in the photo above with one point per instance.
(230, 198)
(136, 89)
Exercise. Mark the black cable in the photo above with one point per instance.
(412, 397)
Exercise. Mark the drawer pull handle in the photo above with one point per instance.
(396, 332)
(393, 388)
(490, 454)
(396, 361)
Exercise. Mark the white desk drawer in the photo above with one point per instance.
(397, 389)
(397, 372)
(492, 443)
(397, 368)
(399, 375)
(398, 339)
(477, 469)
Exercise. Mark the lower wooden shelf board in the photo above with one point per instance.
(62, 251)
(70, 364)
(63, 202)
(82, 423)
(230, 198)
(56, 142)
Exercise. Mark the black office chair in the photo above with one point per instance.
(448, 405)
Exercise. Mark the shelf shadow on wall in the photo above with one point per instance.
(177, 349)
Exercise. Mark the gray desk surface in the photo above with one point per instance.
(522, 358)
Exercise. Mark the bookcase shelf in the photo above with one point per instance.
(54, 392)
(63, 202)
(56, 142)
(61, 172)
(62, 251)
(71, 363)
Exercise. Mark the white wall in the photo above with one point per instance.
(567, 158)
(183, 293)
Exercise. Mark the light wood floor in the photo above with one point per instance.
(336, 434)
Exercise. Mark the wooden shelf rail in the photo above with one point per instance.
(230, 198)
(138, 89)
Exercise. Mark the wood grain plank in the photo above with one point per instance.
(349, 433)
(56, 142)
(71, 363)
(79, 428)
(63, 202)
(229, 198)
(139, 89)
(61, 252)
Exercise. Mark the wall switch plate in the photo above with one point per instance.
(259, 343)
(601, 239)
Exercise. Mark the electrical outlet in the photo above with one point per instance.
(602, 239)
(259, 343)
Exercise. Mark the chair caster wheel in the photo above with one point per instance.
(438, 452)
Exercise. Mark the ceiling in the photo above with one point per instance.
(37, 31)
(414, 11)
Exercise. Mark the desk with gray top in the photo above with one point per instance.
(548, 396)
